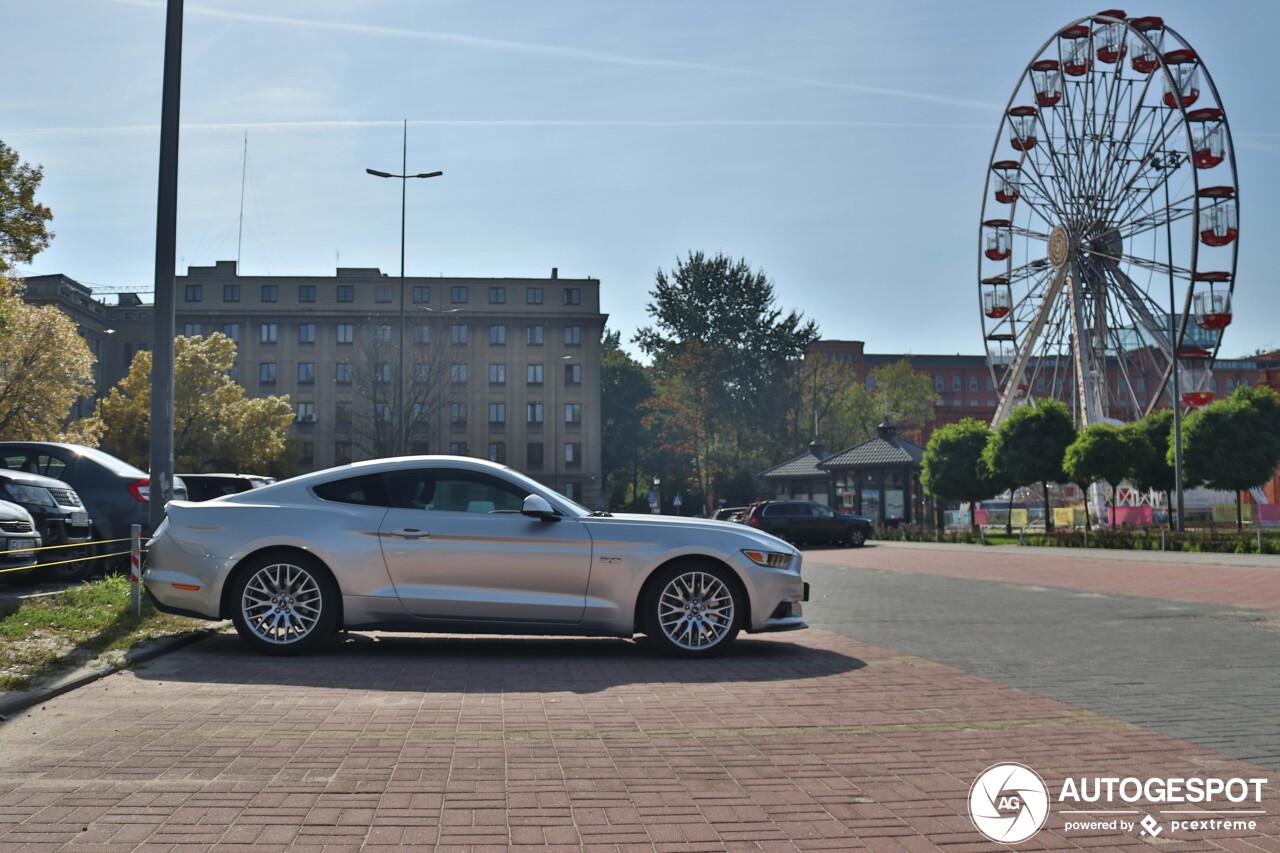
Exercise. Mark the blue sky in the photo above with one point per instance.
(841, 147)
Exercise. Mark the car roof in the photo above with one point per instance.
(26, 478)
(101, 457)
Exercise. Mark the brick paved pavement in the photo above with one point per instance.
(803, 741)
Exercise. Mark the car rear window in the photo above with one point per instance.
(366, 490)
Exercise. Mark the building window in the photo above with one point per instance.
(939, 384)
(573, 296)
(267, 371)
(1231, 383)
(195, 292)
(306, 333)
(308, 452)
(191, 330)
(270, 293)
(533, 413)
(533, 296)
(458, 295)
(382, 412)
(458, 448)
(956, 384)
(342, 453)
(382, 371)
(571, 491)
(306, 413)
(421, 294)
(573, 374)
(533, 456)
(382, 334)
(498, 452)
(306, 293)
(497, 374)
(1142, 383)
(573, 336)
(533, 374)
(232, 331)
(573, 413)
(306, 371)
(342, 373)
(497, 335)
(421, 372)
(346, 333)
(1039, 385)
(497, 414)
(458, 332)
(497, 296)
(342, 413)
(573, 453)
(270, 333)
(346, 293)
(382, 293)
(973, 383)
(533, 336)
(457, 413)
(421, 334)
(458, 373)
(991, 383)
(230, 293)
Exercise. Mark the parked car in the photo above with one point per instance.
(729, 513)
(115, 493)
(808, 521)
(445, 543)
(18, 541)
(206, 487)
(60, 518)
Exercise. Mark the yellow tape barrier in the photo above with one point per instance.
(64, 562)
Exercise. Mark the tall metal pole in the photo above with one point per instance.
(166, 253)
(1171, 163)
(402, 419)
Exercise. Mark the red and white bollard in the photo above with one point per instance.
(135, 568)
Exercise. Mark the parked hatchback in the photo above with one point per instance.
(60, 518)
(18, 541)
(808, 521)
(116, 494)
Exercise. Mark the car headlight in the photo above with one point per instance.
(769, 559)
(30, 495)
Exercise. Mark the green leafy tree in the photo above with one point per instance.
(953, 467)
(1100, 452)
(1150, 468)
(45, 367)
(625, 440)
(1029, 445)
(23, 232)
(215, 427)
(1233, 444)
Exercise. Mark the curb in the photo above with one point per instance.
(23, 699)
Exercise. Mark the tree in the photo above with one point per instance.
(374, 423)
(45, 366)
(1100, 452)
(215, 427)
(953, 467)
(23, 233)
(1028, 447)
(1233, 444)
(624, 438)
(1150, 468)
(847, 410)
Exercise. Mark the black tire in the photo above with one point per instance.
(856, 537)
(284, 604)
(693, 610)
(81, 569)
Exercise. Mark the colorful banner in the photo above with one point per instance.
(1130, 516)
(1063, 516)
(1018, 518)
(1226, 513)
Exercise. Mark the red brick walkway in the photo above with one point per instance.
(1174, 580)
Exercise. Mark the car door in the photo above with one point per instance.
(458, 548)
(828, 525)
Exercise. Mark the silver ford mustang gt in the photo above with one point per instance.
(452, 544)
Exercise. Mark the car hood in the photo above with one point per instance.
(725, 531)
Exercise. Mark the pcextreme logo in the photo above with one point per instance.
(1009, 803)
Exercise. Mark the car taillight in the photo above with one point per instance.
(754, 521)
(141, 489)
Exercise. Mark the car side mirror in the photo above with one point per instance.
(536, 506)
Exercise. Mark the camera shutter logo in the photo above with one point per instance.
(1009, 803)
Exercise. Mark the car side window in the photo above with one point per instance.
(823, 511)
(799, 510)
(50, 466)
(367, 490)
(472, 491)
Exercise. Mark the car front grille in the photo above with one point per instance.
(65, 497)
(16, 526)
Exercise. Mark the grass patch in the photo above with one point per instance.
(81, 624)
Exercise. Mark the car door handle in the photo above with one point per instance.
(410, 533)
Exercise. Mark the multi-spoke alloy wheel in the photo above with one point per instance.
(284, 606)
(693, 611)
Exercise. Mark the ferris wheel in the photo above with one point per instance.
(1107, 250)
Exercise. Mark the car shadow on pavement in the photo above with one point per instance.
(491, 664)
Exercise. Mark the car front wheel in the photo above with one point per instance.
(284, 605)
(693, 610)
(856, 537)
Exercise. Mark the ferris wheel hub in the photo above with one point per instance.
(1059, 246)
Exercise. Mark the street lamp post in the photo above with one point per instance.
(404, 179)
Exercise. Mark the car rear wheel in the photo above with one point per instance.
(284, 605)
(693, 610)
(73, 565)
(856, 537)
